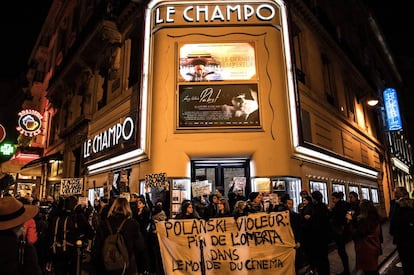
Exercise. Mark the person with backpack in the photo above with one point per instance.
(17, 256)
(114, 253)
(65, 230)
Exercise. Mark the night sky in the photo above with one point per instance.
(394, 21)
(21, 23)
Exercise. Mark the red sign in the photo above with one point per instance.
(2, 133)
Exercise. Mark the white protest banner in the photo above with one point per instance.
(71, 186)
(259, 243)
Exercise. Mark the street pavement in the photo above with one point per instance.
(386, 261)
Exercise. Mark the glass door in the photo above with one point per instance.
(220, 172)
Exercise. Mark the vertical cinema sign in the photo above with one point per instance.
(392, 110)
(201, 13)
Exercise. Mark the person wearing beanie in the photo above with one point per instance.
(18, 257)
(255, 203)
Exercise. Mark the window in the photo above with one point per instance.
(329, 81)
(354, 189)
(339, 188)
(136, 55)
(365, 193)
(374, 195)
(297, 53)
(292, 186)
(350, 102)
(220, 172)
(321, 187)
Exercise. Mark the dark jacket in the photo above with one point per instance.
(9, 256)
(133, 240)
(338, 218)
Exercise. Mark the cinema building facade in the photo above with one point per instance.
(204, 94)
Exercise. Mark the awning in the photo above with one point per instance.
(44, 159)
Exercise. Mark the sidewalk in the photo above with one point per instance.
(384, 260)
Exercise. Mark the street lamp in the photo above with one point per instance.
(372, 102)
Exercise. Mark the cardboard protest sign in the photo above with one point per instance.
(259, 243)
(71, 186)
(201, 188)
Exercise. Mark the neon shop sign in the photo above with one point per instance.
(29, 123)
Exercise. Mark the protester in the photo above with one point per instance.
(303, 193)
(354, 203)
(187, 211)
(402, 228)
(295, 221)
(235, 194)
(255, 203)
(223, 208)
(137, 251)
(29, 232)
(13, 214)
(278, 204)
(143, 216)
(211, 210)
(398, 193)
(65, 229)
(320, 232)
(240, 209)
(305, 213)
(339, 228)
(367, 236)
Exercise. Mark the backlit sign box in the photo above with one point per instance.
(392, 109)
(111, 137)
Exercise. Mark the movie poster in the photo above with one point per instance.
(218, 105)
(217, 62)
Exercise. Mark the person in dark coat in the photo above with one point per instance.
(240, 209)
(69, 226)
(402, 224)
(320, 230)
(339, 230)
(13, 214)
(143, 216)
(255, 203)
(305, 213)
(134, 240)
(211, 208)
(235, 194)
(187, 211)
(224, 208)
(366, 233)
(295, 221)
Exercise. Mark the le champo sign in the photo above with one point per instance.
(203, 13)
(259, 243)
(111, 137)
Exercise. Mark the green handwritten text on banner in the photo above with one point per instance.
(259, 243)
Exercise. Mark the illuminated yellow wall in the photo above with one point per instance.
(171, 149)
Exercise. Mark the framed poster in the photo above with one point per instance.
(228, 105)
(217, 62)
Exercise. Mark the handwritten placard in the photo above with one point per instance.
(71, 186)
(259, 243)
(201, 188)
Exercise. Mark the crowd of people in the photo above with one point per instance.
(64, 236)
